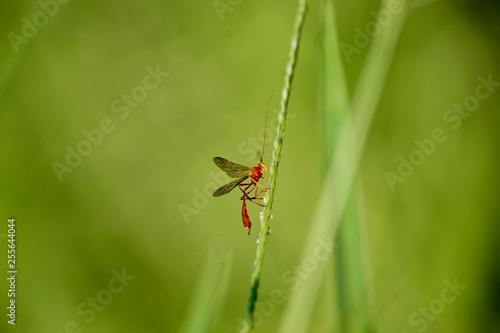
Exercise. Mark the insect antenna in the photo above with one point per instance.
(265, 130)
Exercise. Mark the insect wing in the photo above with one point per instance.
(225, 189)
(232, 169)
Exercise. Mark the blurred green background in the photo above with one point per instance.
(137, 204)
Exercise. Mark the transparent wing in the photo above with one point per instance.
(232, 169)
(225, 189)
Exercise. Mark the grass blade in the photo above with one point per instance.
(206, 305)
(333, 101)
(349, 274)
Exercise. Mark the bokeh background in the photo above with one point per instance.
(137, 202)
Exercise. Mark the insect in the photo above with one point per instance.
(248, 180)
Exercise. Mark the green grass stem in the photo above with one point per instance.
(278, 146)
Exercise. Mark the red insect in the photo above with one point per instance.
(244, 173)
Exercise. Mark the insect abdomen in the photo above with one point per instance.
(244, 215)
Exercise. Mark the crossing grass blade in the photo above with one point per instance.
(342, 157)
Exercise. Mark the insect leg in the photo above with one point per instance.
(247, 189)
(244, 188)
